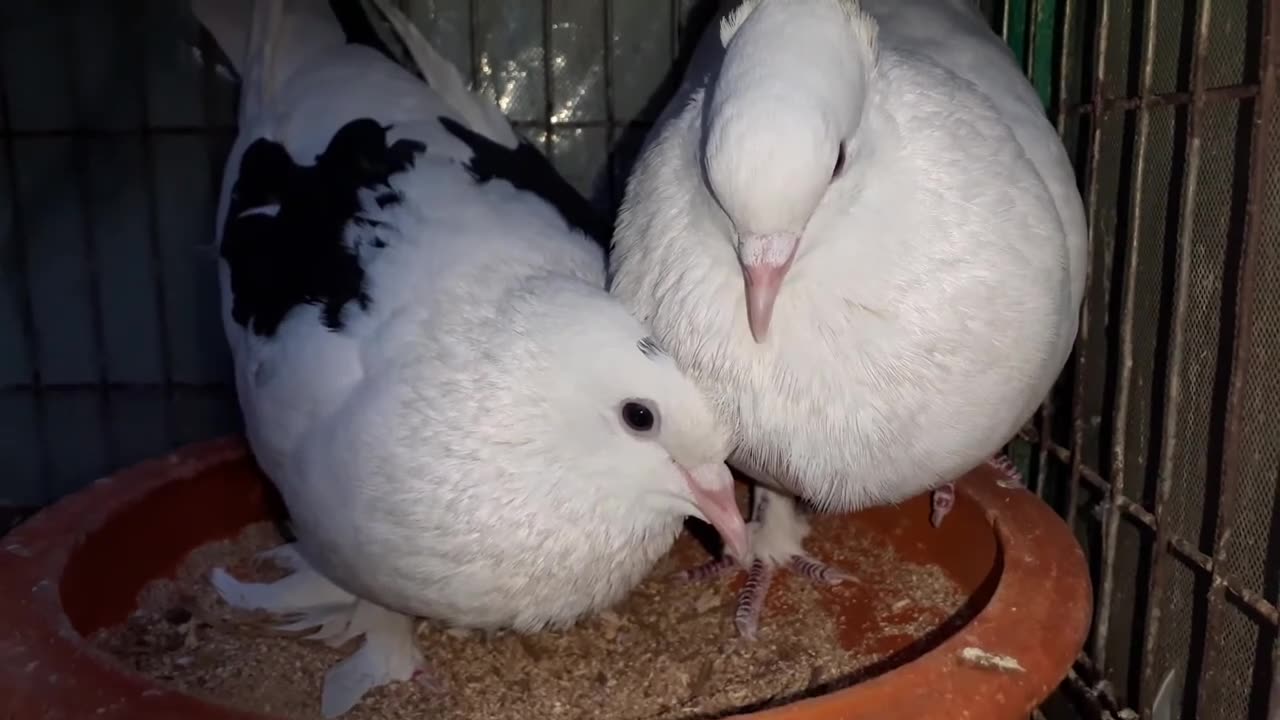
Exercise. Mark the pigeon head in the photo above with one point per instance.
(779, 128)
(624, 428)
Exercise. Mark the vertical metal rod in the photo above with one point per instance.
(1046, 428)
(161, 295)
(1065, 102)
(215, 164)
(1095, 153)
(93, 275)
(1273, 710)
(1029, 12)
(1004, 26)
(208, 93)
(1044, 24)
(1241, 355)
(473, 39)
(1084, 347)
(1177, 352)
(26, 303)
(548, 86)
(676, 16)
(1039, 69)
(1048, 408)
(1158, 578)
(611, 189)
(1124, 387)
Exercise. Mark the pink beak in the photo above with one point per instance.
(765, 262)
(712, 488)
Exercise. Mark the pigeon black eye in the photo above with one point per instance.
(639, 416)
(835, 172)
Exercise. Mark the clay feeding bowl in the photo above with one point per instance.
(79, 565)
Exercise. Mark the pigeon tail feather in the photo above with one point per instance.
(267, 40)
(389, 654)
(306, 600)
(480, 113)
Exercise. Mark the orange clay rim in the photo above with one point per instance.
(1038, 615)
(47, 669)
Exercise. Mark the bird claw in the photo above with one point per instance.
(708, 571)
(1010, 477)
(817, 572)
(746, 616)
(944, 498)
(751, 598)
(750, 604)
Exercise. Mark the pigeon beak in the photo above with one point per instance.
(712, 488)
(765, 262)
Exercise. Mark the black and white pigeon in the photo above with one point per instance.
(856, 228)
(463, 424)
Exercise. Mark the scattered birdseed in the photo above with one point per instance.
(980, 658)
(668, 651)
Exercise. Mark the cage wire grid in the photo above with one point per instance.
(1220, 576)
(1159, 447)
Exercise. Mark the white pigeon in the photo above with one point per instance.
(463, 424)
(856, 229)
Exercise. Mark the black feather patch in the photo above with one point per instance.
(649, 347)
(356, 26)
(283, 238)
(529, 170)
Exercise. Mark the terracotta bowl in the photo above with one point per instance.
(78, 566)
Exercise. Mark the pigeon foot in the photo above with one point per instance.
(776, 541)
(944, 497)
(1010, 476)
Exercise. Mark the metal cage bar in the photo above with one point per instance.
(1047, 409)
(548, 87)
(1242, 350)
(1111, 515)
(1027, 18)
(1173, 387)
(159, 284)
(1115, 505)
(1124, 384)
(1124, 102)
(93, 275)
(1084, 347)
(91, 133)
(1040, 51)
(208, 87)
(612, 191)
(1273, 705)
(1263, 608)
(26, 301)
(1159, 571)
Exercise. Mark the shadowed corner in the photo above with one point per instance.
(609, 186)
(13, 515)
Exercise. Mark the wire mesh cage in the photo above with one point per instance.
(1159, 445)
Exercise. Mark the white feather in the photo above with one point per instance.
(934, 296)
(454, 449)
(480, 113)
